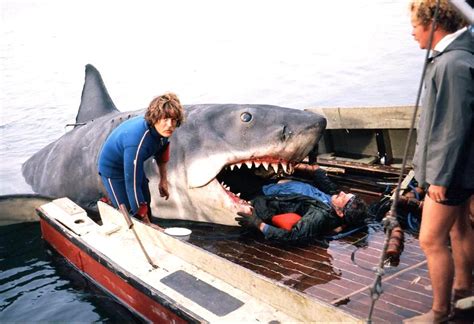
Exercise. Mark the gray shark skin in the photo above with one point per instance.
(219, 145)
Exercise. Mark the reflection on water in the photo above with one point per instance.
(37, 284)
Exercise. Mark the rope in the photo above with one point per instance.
(344, 234)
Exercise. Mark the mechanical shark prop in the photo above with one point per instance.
(217, 156)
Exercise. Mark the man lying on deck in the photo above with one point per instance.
(293, 211)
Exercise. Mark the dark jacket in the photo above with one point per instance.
(317, 217)
(444, 153)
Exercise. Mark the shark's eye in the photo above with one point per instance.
(246, 117)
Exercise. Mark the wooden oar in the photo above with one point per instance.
(125, 214)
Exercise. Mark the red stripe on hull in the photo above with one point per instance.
(115, 285)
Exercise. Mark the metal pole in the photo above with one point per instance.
(130, 224)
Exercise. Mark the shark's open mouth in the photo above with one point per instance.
(243, 180)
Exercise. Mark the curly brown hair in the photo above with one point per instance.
(165, 106)
(448, 18)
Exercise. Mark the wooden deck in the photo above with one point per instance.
(329, 274)
(342, 273)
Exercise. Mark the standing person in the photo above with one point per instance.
(121, 161)
(444, 154)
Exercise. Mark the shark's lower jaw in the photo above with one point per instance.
(243, 180)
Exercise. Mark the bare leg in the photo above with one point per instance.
(437, 221)
(462, 243)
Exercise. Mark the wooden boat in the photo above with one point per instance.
(219, 274)
(188, 284)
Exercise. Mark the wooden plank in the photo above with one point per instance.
(375, 168)
(366, 288)
(394, 117)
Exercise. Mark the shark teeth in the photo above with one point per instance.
(275, 167)
(291, 168)
(286, 167)
(233, 196)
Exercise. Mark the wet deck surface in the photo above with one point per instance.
(328, 273)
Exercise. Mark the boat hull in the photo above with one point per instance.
(175, 282)
(144, 301)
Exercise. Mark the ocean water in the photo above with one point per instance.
(38, 285)
(297, 54)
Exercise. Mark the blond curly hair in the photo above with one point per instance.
(448, 18)
(165, 106)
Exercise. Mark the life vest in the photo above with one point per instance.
(286, 221)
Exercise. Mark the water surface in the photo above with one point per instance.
(38, 285)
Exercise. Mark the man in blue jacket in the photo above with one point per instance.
(121, 160)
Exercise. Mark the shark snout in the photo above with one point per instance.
(311, 125)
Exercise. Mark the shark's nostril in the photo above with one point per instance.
(285, 133)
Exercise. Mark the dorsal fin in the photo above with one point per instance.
(95, 99)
